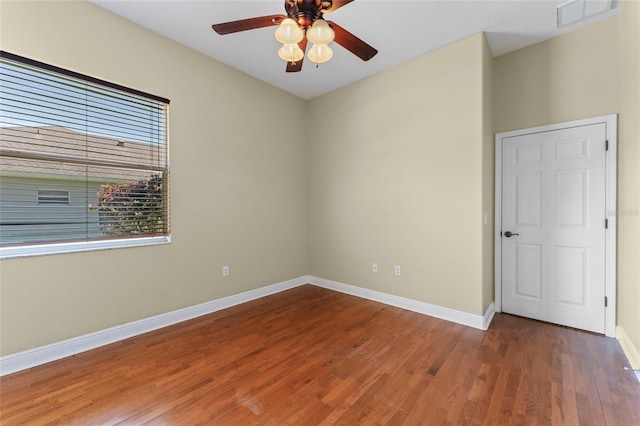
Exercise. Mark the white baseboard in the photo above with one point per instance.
(481, 322)
(488, 316)
(632, 353)
(43, 354)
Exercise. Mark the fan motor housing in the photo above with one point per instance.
(305, 12)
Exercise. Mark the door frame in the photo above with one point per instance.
(611, 125)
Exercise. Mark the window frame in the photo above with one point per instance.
(19, 250)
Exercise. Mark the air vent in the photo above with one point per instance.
(578, 10)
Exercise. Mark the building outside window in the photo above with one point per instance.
(83, 162)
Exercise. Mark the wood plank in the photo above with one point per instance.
(313, 356)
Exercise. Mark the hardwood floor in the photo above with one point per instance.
(311, 356)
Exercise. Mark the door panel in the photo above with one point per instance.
(529, 199)
(571, 272)
(553, 200)
(571, 198)
(528, 271)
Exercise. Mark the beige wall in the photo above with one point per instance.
(629, 182)
(237, 191)
(488, 181)
(397, 179)
(570, 77)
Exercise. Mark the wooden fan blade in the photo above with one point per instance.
(247, 24)
(352, 43)
(297, 66)
(337, 4)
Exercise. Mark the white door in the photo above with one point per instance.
(553, 226)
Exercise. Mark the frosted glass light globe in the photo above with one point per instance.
(319, 53)
(320, 32)
(288, 32)
(291, 52)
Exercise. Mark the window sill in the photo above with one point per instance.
(46, 249)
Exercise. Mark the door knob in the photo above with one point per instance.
(510, 234)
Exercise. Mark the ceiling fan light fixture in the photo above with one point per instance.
(320, 33)
(288, 32)
(304, 25)
(291, 52)
(319, 53)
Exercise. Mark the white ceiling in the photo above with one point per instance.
(399, 29)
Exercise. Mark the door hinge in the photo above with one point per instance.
(606, 145)
(606, 301)
(606, 224)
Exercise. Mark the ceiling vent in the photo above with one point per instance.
(577, 10)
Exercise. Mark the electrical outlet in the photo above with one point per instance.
(374, 267)
(225, 271)
(398, 270)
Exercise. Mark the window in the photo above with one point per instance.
(83, 162)
(51, 196)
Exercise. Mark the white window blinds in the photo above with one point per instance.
(80, 159)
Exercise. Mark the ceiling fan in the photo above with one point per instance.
(304, 22)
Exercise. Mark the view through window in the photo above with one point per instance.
(81, 159)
